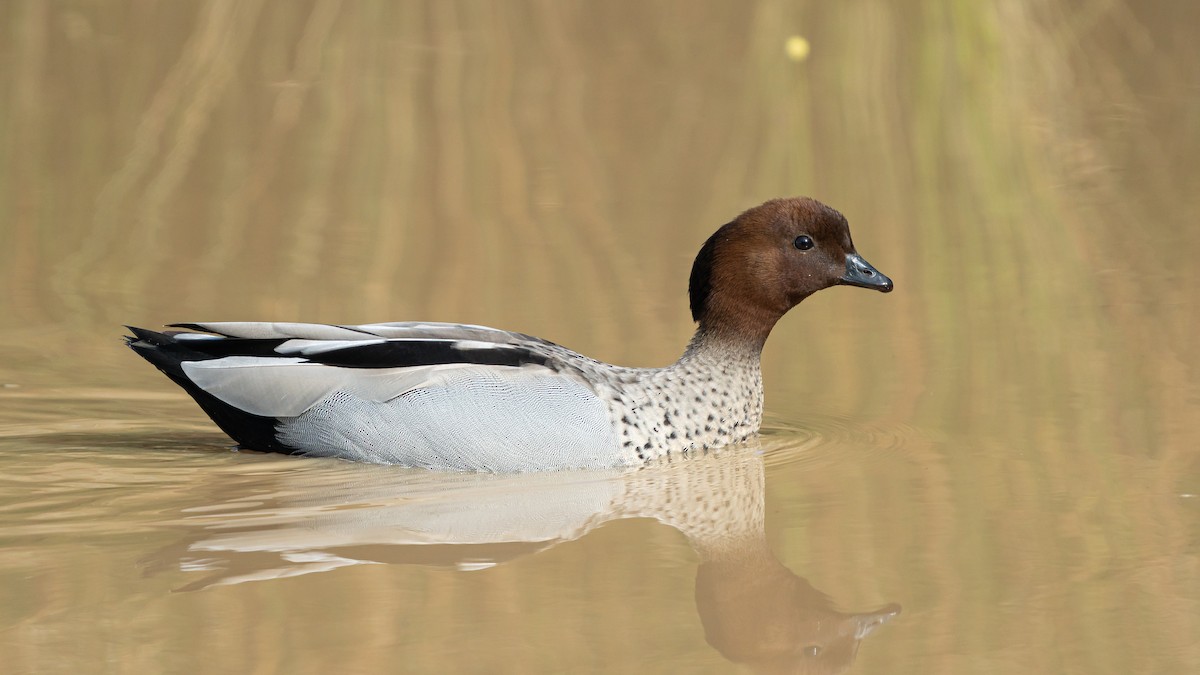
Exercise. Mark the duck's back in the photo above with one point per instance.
(443, 396)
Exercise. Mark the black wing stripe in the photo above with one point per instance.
(404, 353)
(390, 354)
(356, 329)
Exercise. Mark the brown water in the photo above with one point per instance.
(1003, 451)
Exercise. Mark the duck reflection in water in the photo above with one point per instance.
(754, 610)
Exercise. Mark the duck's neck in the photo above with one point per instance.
(739, 327)
(716, 347)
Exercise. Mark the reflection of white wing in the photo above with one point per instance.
(344, 514)
(326, 515)
(476, 512)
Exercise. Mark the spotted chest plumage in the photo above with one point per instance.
(712, 396)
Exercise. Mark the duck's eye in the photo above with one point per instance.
(804, 242)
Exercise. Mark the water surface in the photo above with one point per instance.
(992, 469)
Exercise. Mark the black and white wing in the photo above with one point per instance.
(421, 394)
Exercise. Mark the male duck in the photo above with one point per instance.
(452, 396)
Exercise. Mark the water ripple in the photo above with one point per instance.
(790, 441)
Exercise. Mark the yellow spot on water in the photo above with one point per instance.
(797, 48)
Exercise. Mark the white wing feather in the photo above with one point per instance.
(444, 416)
(406, 329)
(286, 387)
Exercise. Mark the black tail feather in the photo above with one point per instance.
(162, 350)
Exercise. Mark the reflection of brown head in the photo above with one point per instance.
(754, 610)
(758, 612)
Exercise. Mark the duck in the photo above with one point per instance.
(460, 397)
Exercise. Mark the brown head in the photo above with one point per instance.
(753, 270)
